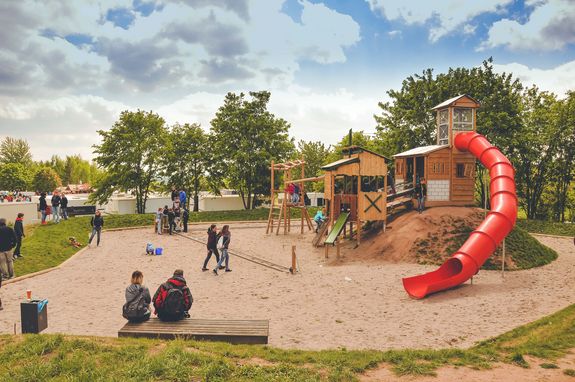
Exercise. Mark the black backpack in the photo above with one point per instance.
(174, 301)
(136, 308)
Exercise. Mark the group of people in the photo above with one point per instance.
(58, 207)
(172, 300)
(176, 216)
(14, 197)
(218, 241)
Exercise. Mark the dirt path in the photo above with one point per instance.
(352, 305)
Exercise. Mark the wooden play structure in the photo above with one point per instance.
(355, 191)
(280, 210)
(449, 173)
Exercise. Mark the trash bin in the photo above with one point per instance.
(34, 316)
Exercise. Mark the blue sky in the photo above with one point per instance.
(67, 68)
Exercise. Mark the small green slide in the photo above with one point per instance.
(337, 228)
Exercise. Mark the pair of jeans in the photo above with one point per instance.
(43, 212)
(56, 214)
(64, 213)
(94, 232)
(295, 198)
(18, 246)
(420, 203)
(6, 264)
(209, 255)
(225, 256)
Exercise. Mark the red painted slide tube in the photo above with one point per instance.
(484, 240)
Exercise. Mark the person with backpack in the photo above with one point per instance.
(97, 224)
(43, 206)
(56, 200)
(19, 231)
(173, 299)
(212, 246)
(225, 238)
(137, 306)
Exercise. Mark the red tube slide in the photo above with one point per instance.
(484, 240)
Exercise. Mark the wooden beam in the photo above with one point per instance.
(312, 179)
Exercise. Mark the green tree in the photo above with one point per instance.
(358, 138)
(536, 148)
(315, 155)
(246, 137)
(13, 150)
(130, 154)
(46, 179)
(186, 159)
(14, 177)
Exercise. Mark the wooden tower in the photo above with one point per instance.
(281, 212)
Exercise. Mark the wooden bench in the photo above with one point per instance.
(232, 331)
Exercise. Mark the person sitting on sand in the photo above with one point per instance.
(150, 249)
(173, 299)
(212, 246)
(137, 306)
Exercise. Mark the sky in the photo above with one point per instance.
(68, 68)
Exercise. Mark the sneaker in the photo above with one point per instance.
(215, 271)
(205, 269)
(228, 270)
(222, 267)
(1, 308)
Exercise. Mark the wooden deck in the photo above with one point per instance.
(232, 331)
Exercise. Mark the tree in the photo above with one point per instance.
(186, 159)
(14, 177)
(246, 137)
(315, 155)
(13, 150)
(358, 138)
(46, 179)
(536, 148)
(130, 154)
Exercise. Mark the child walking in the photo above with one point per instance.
(212, 246)
(226, 236)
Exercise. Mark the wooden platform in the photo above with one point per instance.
(232, 331)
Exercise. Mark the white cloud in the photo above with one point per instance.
(444, 16)
(551, 26)
(558, 80)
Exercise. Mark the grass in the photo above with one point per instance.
(59, 357)
(48, 246)
(546, 227)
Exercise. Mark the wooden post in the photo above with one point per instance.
(503, 261)
(293, 268)
(326, 250)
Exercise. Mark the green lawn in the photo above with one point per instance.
(547, 228)
(73, 358)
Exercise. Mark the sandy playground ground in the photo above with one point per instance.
(352, 305)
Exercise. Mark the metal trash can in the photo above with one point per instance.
(34, 316)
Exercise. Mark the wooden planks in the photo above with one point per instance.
(231, 331)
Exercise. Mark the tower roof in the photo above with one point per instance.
(451, 101)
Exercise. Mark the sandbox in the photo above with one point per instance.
(353, 305)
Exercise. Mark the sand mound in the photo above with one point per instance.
(400, 241)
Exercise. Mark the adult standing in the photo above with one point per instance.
(56, 200)
(97, 224)
(212, 246)
(226, 236)
(7, 242)
(42, 207)
(183, 198)
(19, 231)
(420, 192)
(175, 194)
(64, 206)
(185, 217)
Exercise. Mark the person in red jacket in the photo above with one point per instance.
(173, 299)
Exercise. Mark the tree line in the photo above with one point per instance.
(19, 172)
